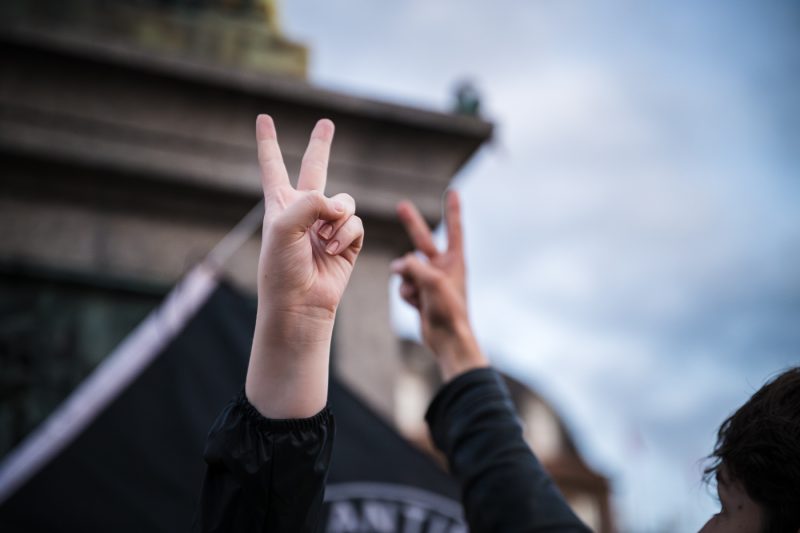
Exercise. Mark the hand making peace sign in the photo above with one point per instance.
(309, 246)
(436, 287)
(310, 242)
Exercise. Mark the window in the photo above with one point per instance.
(54, 330)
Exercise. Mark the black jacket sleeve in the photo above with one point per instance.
(264, 475)
(504, 488)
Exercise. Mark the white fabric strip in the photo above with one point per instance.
(107, 381)
(392, 492)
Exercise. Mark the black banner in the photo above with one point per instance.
(138, 465)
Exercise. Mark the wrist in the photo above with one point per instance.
(459, 352)
(295, 327)
(287, 376)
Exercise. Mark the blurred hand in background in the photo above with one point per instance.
(436, 287)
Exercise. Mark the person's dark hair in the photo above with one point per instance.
(760, 447)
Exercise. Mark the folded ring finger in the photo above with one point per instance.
(327, 230)
(348, 233)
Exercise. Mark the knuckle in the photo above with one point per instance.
(314, 198)
(266, 160)
(314, 163)
(347, 201)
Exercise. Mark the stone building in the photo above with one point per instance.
(126, 133)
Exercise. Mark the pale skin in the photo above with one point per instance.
(309, 247)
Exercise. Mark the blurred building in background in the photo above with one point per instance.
(126, 133)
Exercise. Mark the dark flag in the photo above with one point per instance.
(124, 452)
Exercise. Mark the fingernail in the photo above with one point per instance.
(339, 206)
(326, 231)
(396, 265)
(332, 247)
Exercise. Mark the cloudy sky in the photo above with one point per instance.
(633, 231)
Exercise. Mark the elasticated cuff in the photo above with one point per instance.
(280, 424)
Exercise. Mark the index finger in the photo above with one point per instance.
(455, 237)
(273, 171)
(417, 229)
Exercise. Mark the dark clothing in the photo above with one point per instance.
(269, 475)
(264, 475)
(503, 486)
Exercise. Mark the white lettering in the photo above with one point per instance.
(343, 518)
(415, 517)
(379, 517)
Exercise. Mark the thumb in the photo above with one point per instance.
(421, 273)
(307, 209)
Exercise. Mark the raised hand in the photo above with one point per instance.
(436, 287)
(309, 247)
(309, 242)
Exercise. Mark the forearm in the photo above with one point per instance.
(457, 351)
(287, 376)
(504, 487)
